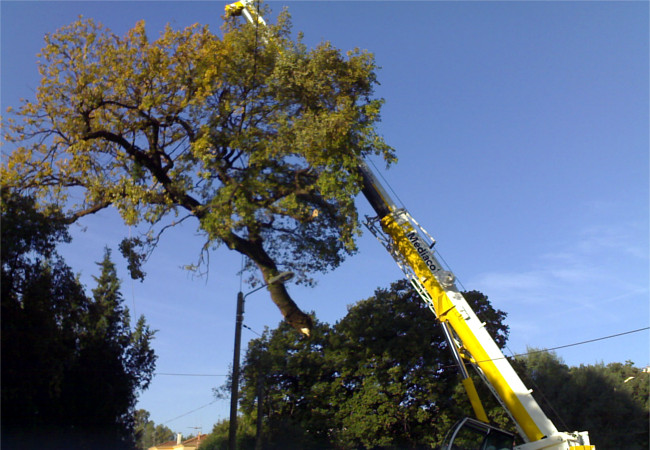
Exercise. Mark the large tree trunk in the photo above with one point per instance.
(254, 249)
(290, 311)
(292, 314)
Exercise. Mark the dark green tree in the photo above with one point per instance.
(71, 365)
(218, 439)
(382, 377)
(113, 362)
(397, 386)
(148, 433)
(42, 306)
(633, 379)
(595, 398)
(291, 375)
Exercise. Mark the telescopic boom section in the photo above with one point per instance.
(412, 248)
(436, 286)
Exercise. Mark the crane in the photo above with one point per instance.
(413, 249)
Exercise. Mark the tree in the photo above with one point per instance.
(381, 377)
(591, 397)
(292, 377)
(41, 305)
(148, 433)
(110, 351)
(71, 365)
(218, 439)
(253, 134)
(400, 386)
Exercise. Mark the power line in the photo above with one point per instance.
(589, 341)
(190, 412)
(520, 354)
(250, 329)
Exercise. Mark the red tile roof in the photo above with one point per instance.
(196, 439)
(167, 444)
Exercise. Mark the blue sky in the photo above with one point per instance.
(522, 135)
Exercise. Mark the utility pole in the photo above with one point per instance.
(234, 390)
(234, 393)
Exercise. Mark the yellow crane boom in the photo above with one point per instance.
(413, 250)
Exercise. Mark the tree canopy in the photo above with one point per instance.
(381, 377)
(610, 401)
(72, 366)
(148, 433)
(252, 134)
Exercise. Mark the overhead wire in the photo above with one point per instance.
(588, 341)
(514, 355)
(250, 329)
(378, 172)
(190, 412)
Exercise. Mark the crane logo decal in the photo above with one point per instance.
(423, 250)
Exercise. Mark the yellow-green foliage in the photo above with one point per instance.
(256, 137)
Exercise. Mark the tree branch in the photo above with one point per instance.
(84, 212)
(183, 199)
